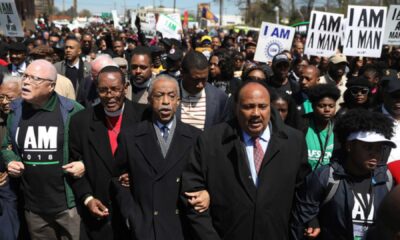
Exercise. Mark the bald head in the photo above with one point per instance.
(309, 78)
(101, 61)
(44, 68)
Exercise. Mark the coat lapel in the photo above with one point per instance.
(237, 154)
(149, 147)
(211, 104)
(180, 143)
(98, 137)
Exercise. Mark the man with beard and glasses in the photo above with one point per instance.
(93, 137)
(154, 153)
(141, 73)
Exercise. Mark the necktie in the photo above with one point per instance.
(165, 133)
(258, 153)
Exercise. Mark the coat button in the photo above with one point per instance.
(176, 211)
(155, 213)
(178, 180)
(250, 177)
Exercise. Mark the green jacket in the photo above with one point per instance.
(9, 150)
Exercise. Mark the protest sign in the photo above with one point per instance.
(133, 19)
(364, 31)
(149, 26)
(10, 23)
(272, 40)
(115, 18)
(170, 25)
(324, 33)
(392, 30)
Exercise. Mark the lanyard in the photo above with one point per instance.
(366, 206)
(323, 146)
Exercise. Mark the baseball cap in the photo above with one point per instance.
(338, 58)
(205, 38)
(17, 47)
(281, 57)
(250, 43)
(121, 62)
(390, 83)
(175, 54)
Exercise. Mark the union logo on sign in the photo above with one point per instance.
(272, 48)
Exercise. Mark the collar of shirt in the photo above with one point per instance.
(50, 104)
(186, 94)
(20, 67)
(76, 65)
(329, 79)
(160, 125)
(265, 136)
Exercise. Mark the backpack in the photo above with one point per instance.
(333, 185)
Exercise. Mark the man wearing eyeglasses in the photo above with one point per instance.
(93, 139)
(36, 150)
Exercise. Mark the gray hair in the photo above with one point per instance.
(12, 79)
(163, 77)
(101, 61)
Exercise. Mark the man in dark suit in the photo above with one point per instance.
(251, 192)
(93, 137)
(75, 69)
(202, 104)
(154, 154)
(18, 61)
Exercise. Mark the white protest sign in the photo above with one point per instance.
(170, 25)
(10, 23)
(115, 18)
(273, 39)
(364, 31)
(149, 27)
(324, 33)
(133, 19)
(392, 31)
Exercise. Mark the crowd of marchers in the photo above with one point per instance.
(109, 134)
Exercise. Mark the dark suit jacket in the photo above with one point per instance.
(86, 89)
(154, 211)
(239, 209)
(89, 142)
(217, 106)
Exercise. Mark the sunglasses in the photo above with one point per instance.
(356, 91)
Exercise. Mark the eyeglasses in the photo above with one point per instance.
(356, 91)
(113, 90)
(36, 80)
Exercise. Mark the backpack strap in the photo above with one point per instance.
(389, 182)
(332, 187)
